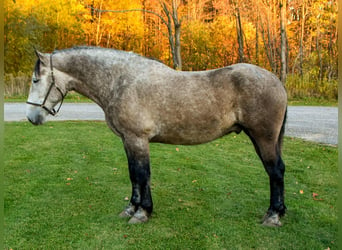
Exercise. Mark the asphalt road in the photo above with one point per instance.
(319, 124)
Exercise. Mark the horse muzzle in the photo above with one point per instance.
(35, 115)
(38, 121)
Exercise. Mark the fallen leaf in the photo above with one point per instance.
(194, 181)
(68, 184)
(314, 195)
(69, 179)
(177, 149)
(301, 191)
(126, 198)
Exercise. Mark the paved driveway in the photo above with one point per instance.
(317, 124)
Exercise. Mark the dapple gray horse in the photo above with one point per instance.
(146, 101)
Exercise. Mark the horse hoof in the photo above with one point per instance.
(125, 214)
(271, 220)
(128, 212)
(139, 217)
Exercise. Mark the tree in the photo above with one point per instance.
(174, 34)
(239, 32)
(283, 42)
(173, 24)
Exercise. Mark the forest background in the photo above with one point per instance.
(295, 39)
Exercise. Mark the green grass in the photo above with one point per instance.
(312, 101)
(66, 183)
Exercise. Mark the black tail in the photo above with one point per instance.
(282, 132)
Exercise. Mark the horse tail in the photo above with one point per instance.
(281, 134)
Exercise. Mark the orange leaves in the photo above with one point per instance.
(314, 196)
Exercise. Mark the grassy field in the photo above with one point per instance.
(66, 183)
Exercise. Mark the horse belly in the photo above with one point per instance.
(194, 131)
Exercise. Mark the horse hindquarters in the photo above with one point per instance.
(141, 205)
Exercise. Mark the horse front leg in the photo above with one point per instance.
(141, 205)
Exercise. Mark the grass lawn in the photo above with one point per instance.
(66, 183)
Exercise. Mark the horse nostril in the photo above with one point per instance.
(28, 118)
(35, 122)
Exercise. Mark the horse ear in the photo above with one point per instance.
(44, 58)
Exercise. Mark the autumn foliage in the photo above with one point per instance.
(213, 33)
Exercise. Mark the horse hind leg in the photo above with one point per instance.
(269, 151)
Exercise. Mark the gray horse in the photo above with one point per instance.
(146, 101)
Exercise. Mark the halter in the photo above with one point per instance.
(53, 84)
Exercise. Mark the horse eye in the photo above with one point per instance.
(35, 80)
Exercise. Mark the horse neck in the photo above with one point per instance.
(90, 80)
(98, 94)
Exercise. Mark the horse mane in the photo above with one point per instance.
(119, 52)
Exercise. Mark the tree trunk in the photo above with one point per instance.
(177, 25)
(174, 39)
(257, 40)
(283, 41)
(239, 35)
(301, 50)
(319, 52)
(98, 36)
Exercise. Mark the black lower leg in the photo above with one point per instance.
(276, 175)
(140, 178)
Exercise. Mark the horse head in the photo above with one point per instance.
(46, 91)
